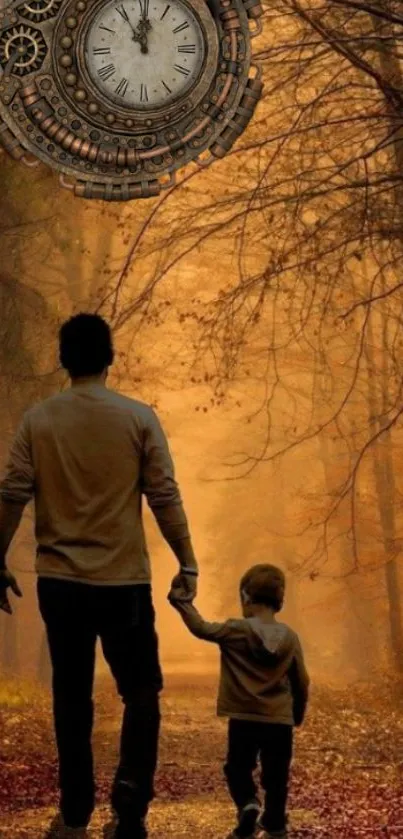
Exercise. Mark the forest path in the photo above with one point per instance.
(347, 781)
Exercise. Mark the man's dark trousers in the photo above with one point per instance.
(123, 617)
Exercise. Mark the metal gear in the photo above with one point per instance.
(22, 50)
(37, 10)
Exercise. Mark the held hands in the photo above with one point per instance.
(7, 580)
(183, 589)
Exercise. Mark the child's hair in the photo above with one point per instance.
(263, 584)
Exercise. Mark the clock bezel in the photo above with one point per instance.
(192, 95)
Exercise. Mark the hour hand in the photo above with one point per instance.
(141, 37)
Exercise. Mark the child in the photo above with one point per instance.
(263, 690)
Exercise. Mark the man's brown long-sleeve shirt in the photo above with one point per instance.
(86, 456)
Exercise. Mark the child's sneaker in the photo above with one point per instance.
(272, 834)
(247, 819)
(134, 830)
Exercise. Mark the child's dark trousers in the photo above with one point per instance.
(273, 743)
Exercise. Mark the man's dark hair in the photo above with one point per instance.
(85, 345)
(264, 584)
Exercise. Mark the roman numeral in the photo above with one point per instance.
(121, 89)
(106, 72)
(143, 93)
(180, 69)
(106, 29)
(166, 87)
(144, 7)
(102, 51)
(181, 27)
(122, 11)
(165, 12)
(189, 48)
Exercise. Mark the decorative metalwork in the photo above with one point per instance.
(37, 10)
(22, 50)
(52, 109)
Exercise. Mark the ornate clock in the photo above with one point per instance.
(118, 94)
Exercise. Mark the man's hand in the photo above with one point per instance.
(183, 588)
(7, 580)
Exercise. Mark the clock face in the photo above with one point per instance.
(144, 54)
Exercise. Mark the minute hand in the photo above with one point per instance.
(144, 5)
(122, 11)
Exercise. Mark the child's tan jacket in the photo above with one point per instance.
(263, 675)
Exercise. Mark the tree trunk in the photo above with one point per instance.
(355, 626)
(329, 451)
(383, 468)
(25, 316)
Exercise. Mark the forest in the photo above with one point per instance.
(257, 305)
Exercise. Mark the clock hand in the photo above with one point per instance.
(123, 13)
(140, 35)
(144, 4)
(143, 26)
(144, 23)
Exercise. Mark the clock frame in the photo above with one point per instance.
(52, 113)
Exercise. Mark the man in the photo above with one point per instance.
(86, 456)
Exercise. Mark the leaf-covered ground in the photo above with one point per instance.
(347, 779)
